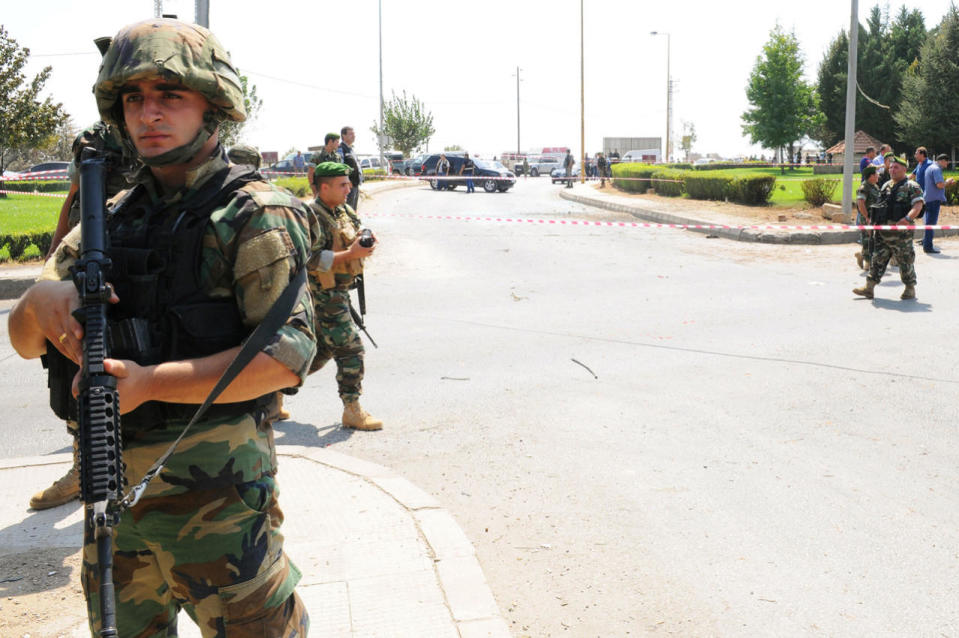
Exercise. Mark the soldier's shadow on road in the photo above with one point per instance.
(309, 435)
(40, 565)
(907, 306)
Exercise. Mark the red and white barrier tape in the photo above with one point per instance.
(583, 222)
(60, 195)
(38, 176)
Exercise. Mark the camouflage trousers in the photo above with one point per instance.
(893, 242)
(865, 238)
(216, 553)
(337, 339)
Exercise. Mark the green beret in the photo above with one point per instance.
(331, 169)
(869, 170)
(895, 159)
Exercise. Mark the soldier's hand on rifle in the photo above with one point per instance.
(133, 382)
(48, 306)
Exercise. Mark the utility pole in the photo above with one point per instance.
(582, 101)
(382, 136)
(517, 112)
(849, 154)
(669, 93)
(157, 8)
(202, 12)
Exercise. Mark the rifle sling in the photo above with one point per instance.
(260, 337)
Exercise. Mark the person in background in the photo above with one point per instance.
(348, 157)
(867, 158)
(934, 195)
(467, 170)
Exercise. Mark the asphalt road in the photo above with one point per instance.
(742, 449)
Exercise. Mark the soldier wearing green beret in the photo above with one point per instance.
(200, 249)
(903, 204)
(337, 260)
(327, 154)
(867, 195)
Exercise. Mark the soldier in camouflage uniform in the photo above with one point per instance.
(328, 154)
(866, 196)
(337, 260)
(904, 204)
(244, 154)
(120, 166)
(204, 249)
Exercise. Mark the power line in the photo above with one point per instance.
(308, 86)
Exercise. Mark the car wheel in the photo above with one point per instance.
(534, 173)
(489, 185)
(503, 189)
(434, 184)
(451, 187)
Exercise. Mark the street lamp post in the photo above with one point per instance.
(850, 132)
(582, 101)
(382, 135)
(669, 92)
(517, 111)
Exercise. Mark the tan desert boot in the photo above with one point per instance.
(64, 489)
(909, 292)
(865, 291)
(359, 419)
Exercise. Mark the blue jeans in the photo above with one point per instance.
(469, 183)
(931, 219)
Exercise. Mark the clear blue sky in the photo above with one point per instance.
(316, 64)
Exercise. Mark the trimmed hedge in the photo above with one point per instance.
(31, 186)
(17, 245)
(673, 184)
(714, 187)
(296, 185)
(752, 191)
(644, 171)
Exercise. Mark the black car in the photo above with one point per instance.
(492, 176)
(49, 166)
(283, 166)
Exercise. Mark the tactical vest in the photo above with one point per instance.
(341, 227)
(163, 313)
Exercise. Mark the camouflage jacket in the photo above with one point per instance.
(335, 230)
(323, 156)
(869, 193)
(249, 253)
(907, 195)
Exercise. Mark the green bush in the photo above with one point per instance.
(952, 193)
(296, 185)
(30, 186)
(714, 187)
(373, 174)
(671, 184)
(17, 246)
(753, 190)
(820, 190)
(680, 166)
(633, 170)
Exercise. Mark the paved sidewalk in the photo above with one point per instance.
(610, 199)
(379, 556)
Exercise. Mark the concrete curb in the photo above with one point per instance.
(735, 234)
(457, 569)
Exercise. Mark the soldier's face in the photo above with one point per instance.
(897, 171)
(161, 116)
(334, 192)
(331, 145)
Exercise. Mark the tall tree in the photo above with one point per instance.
(231, 132)
(929, 112)
(784, 107)
(406, 123)
(25, 121)
(689, 137)
(832, 91)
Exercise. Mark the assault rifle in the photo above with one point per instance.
(358, 316)
(98, 413)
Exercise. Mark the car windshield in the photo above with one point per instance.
(489, 164)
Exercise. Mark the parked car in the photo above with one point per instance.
(558, 174)
(414, 166)
(11, 175)
(543, 165)
(283, 166)
(492, 176)
(49, 166)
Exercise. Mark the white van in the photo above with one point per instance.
(648, 156)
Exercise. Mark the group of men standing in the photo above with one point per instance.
(889, 196)
(202, 250)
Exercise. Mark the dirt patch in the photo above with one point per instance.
(949, 215)
(40, 594)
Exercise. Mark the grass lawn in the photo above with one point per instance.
(27, 214)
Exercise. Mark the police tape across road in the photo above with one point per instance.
(38, 176)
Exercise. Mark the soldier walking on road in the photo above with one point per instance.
(903, 203)
(867, 195)
(200, 250)
(336, 262)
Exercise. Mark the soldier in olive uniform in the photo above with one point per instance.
(327, 154)
(903, 199)
(337, 260)
(201, 249)
(866, 196)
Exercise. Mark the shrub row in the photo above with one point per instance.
(30, 186)
(820, 190)
(751, 190)
(17, 245)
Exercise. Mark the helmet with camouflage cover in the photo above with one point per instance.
(244, 154)
(177, 51)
